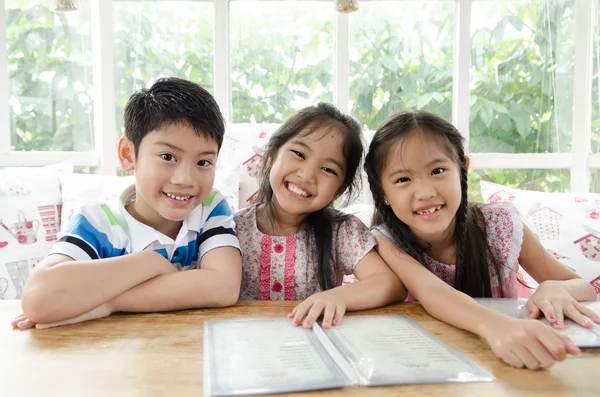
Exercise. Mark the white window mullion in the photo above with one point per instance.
(461, 97)
(582, 97)
(594, 161)
(42, 158)
(222, 73)
(341, 64)
(4, 110)
(105, 126)
(521, 160)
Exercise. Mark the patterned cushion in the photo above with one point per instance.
(30, 206)
(567, 225)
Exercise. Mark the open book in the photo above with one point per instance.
(266, 356)
(580, 336)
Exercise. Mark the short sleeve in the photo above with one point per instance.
(383, 229)
(504, 233)
(353, 242)
(89, 235)
(218, 229)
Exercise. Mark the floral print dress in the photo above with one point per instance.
(284, 268)
(504, 233)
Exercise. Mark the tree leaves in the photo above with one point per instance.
(522, 119)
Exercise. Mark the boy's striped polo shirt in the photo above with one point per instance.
(99, 230)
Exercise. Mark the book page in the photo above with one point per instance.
(265, 356)
(580, 336)
(394, 350)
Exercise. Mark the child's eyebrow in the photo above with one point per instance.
(433, 162)
(171, 146)
(436, 161)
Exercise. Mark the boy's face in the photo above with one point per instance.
(174, 173)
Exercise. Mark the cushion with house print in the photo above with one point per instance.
(567, 225)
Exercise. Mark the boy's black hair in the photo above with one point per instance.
(173, 100)
(319, 225)
(472, 251)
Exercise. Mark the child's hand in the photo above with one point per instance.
(101, 311)
(22, 322)
(528, 343)
(554, 300)
(330, 303)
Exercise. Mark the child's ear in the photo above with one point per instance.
(126, 153)
(467, 162)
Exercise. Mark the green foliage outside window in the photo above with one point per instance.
(401, 57)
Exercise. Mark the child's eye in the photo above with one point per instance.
(329, 170)
(167, 157)
(205, 163)
(403, 179)
(437, 171)
(297, 153)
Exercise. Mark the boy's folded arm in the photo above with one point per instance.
(216, 284)
(60, 288)
(378, 285)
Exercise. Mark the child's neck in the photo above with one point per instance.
(444, 254)
(272, 222)
(168, 228)
(443, 247)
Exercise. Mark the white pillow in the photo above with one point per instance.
(567, 225)
(30, 206)
(79, 189)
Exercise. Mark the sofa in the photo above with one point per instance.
(37, 203)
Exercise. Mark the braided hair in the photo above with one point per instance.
(472, 251)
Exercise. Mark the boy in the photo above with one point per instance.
(128, 257)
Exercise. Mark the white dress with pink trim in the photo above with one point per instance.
(281, 267)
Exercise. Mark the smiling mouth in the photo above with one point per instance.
(178, 198)
(296, 190)
(430, 210)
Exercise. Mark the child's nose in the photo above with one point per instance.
(425, 190)
(306, 173)
(183, 175)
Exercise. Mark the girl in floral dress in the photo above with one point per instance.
(446, 250)
(295, 246)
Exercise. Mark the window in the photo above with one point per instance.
(50, 77)
(544, 180)
(401, 58)
(596, 85)
(595, 146)
(516, 98)
(522, 76)
(161, 38)
(281, 58)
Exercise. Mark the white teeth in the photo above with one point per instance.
(180, 198)
(429, 211)
(294, 189)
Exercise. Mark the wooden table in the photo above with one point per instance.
(161, 355)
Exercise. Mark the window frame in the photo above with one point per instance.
(580, 160)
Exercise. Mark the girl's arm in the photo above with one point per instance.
(517, 342)
(560, 288)
(378, 286)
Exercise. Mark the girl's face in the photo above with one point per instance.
(307, 173)
(421, 182)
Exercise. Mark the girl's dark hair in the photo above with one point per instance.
(472, 251)
(319, 225)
